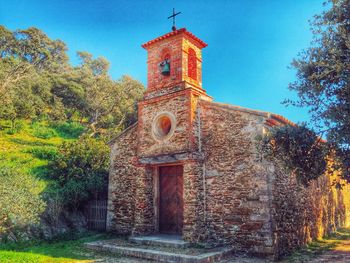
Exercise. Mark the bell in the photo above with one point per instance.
(166, 69)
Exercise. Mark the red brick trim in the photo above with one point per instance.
(200, 43)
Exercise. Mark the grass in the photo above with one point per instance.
(20, 149)
(62, 250)
(30, 148)
(321, 246)
(27, 257)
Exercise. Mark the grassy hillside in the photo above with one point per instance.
(30, 146)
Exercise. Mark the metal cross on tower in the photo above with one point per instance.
(173, 17)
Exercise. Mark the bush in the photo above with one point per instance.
(55, 204)
(43, 132)
(46, 153)
(18, 126)
(68, 129)
(20, 202)
(11, 131)
(81, 170)
(299, 149)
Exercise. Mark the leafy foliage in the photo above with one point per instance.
(45, 101)
(42, 131)
(29, 155)
(47, 153)
(299, 149)
(18, 126)
(81, 170)
(26, 55)
(68, 130)
(323, 78)
(37, 82)
(20, 201)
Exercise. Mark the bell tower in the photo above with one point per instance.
(167, 113)
(174, 63)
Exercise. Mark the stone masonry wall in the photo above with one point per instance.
(302, 214)
(251, 203)
(193, 227)
(144, 202)
(231, 195)
(122, 187)
(237, 191)
(179, 106)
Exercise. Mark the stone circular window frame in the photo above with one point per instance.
(155, 126)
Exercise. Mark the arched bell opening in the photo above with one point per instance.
(164, 64)
(192, 64)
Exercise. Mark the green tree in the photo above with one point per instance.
(22, 51)
(25, 100)
(298, 149)
(36, 80)
(323, 78)
(109, 104)
(81, 170)
(27, 58)
(68, 89)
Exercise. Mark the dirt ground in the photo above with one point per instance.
(339, 254)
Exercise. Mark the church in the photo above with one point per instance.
(190, 167)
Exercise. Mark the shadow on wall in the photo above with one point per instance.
(305, 214)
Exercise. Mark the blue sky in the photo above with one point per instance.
(250, 42)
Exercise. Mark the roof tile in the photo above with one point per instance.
(201, 43)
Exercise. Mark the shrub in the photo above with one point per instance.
(81, 170)
(20, 202)
(68, 129)
(46, 153)
(43, 132)
(299, 149)
(55, 204)
(18, 126)
(11, 131)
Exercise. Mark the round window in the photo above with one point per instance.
(163, 126)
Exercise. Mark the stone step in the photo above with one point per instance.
(158, 255)
(161, 240)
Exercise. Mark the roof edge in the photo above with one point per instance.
(273, 119)
(238, 108)
(201, 43)
(111, 141)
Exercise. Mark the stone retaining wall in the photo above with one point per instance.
(302, 214)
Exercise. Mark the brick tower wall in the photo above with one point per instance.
(175, 46)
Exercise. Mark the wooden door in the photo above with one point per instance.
(171, 199)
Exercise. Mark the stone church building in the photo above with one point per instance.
(190, 166)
